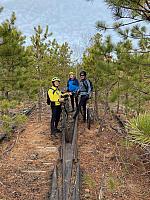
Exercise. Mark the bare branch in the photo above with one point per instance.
(141, 91)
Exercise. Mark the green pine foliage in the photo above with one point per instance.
(10, 120)
(26, 71)
(135, 9)
(13, 58)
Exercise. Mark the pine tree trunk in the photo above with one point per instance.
(39, 106)
(139, 104)
(96, 104)
(106, 100)
(6, 94)
(126, 103)
(118, 99)
(39, 97)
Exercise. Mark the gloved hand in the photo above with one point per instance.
(61, 100)
(66, 94)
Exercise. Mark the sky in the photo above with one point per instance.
(71, 21)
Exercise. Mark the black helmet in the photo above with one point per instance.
(83, 73)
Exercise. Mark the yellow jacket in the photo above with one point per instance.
(54, 94)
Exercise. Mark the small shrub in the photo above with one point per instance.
(89, 181)
(139, 129)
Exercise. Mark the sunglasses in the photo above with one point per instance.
(81, 75)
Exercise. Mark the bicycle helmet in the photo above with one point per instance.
(71, 73)
(83, 73)
(55, 79)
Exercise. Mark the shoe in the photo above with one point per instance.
(53, 136)
(74, 116)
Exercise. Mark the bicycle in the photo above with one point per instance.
(89, 114)
(65, 120)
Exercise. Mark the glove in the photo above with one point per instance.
(61, 100)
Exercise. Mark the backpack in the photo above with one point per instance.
(48, 99)
(86, 85)
(91, 85)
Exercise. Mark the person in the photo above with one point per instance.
(84, 93)
(73, 86)
(54, 98)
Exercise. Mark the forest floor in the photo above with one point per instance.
(112, 168)
(25, 170)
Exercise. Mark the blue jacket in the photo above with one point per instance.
(72, 85)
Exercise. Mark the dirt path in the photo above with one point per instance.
(25, 172)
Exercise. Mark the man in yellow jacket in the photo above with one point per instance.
(54, 98)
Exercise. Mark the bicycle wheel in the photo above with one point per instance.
(88, 120)
(67, 138)
(65, 126)
(66, 105)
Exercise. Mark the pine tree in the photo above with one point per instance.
(38, 56)
(12, 58)
(97, 62)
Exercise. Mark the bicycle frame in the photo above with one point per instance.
(89, 117)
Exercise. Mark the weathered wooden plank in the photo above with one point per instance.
(76, 190)
(54, 191)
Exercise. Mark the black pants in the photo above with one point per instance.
(82, 103)
(72, 97)
(56, 111)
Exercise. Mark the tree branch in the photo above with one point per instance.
(137, 21)
(126, 24)
(144, 8)
(140, 90)
(129, 8)
(147, 3)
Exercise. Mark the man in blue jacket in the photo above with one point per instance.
(73, 86)
(84, 92)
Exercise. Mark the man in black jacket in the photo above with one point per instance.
(84, 93)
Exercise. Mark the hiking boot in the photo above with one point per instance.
(54, 136)
(74, 116)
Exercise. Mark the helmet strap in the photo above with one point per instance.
(54, 84)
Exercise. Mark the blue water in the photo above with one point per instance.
(72, 21)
